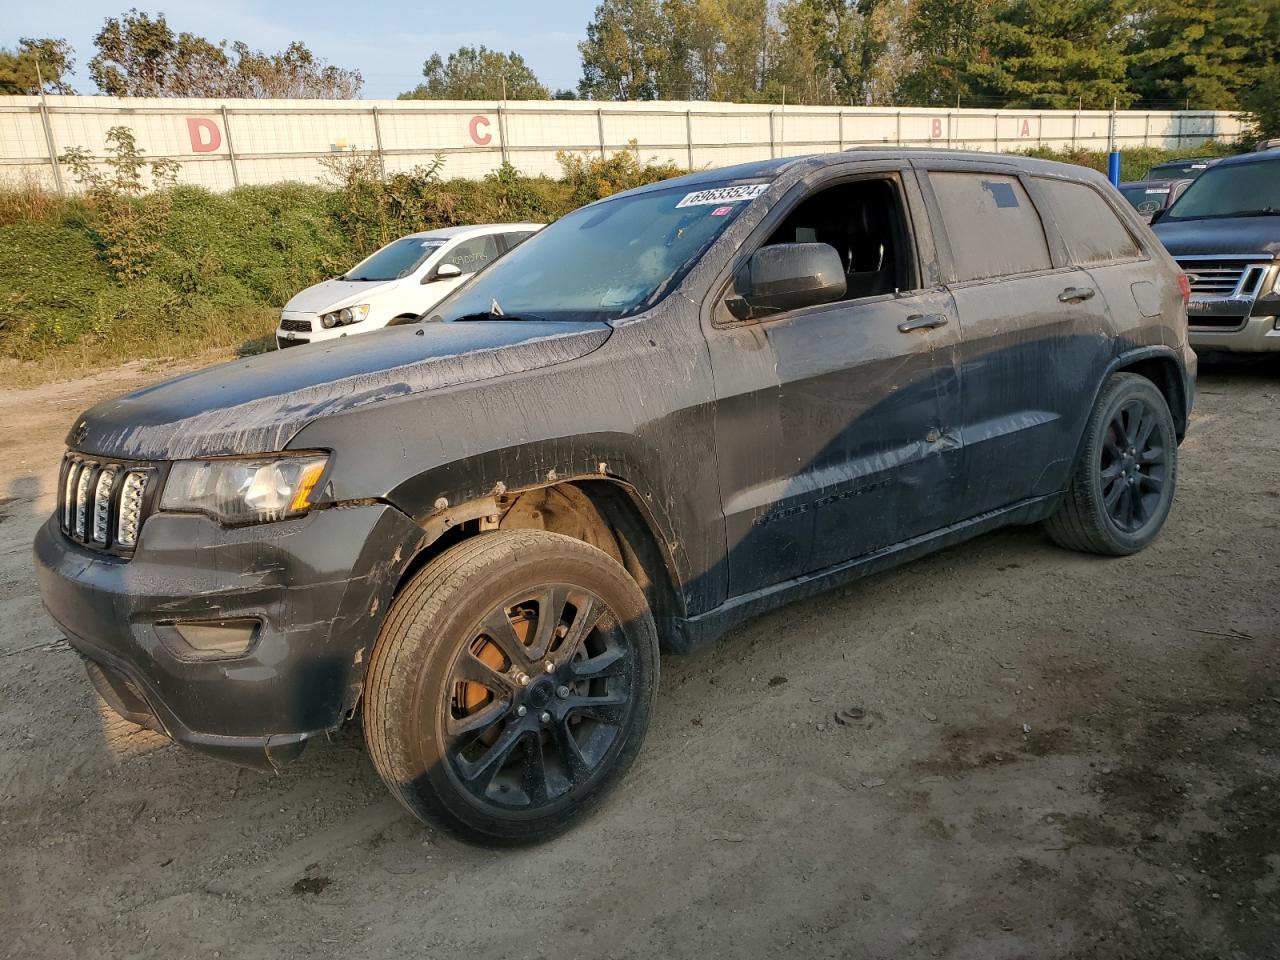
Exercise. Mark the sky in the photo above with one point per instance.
(387, 42)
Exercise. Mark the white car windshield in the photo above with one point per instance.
(395, 260)
(604, 261)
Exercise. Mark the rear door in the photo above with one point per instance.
(1034, 334)
(835, 424)
(1096, 240)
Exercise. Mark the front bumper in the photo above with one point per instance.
(315, 333)
(1245, 322)
(318, 587)
(1256, 334)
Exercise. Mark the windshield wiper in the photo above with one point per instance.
(487, 315)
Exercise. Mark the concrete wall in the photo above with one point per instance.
(222, 143)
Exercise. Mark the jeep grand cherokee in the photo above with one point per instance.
(666, 412)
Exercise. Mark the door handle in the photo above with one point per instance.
(922, 321)
(1075, 294)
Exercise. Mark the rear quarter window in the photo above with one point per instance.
(1089, 226)
(993, 229)
(515, 239)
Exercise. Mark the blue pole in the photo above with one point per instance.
(1113, 167)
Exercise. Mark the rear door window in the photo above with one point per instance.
(993, 229)
(1090, 228)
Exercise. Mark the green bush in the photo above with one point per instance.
(215, 268)
(592, 177)
(1134, 162)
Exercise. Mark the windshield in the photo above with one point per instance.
(604, 261)
(1178, 168)
(1145, 200)
(1236, 190)
(395, 260)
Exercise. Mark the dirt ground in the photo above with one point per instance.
(1061, 756)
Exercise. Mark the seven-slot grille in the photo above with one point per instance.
(101, 502)
(1225, 276)
(297, 326)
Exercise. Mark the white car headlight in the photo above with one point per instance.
(238, 491)
(340, 318)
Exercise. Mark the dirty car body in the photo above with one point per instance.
(729, 451)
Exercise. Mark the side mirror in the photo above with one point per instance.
(446, 271)
(1157, 215)
(788, 276)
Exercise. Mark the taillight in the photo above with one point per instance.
(1185, 286)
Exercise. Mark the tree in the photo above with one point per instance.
(678, 50)
(1052, 54)
(747, 52)
(22, 69)
(139, 56)
(1204, 52)
(840, 41)
(942, 37)
(478, 73)
(294, 73)
(625, 51)
(1261, 102)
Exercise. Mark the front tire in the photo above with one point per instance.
(1122, 487)
(511, 686)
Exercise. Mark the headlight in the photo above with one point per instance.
(340, 318)
(256, 490)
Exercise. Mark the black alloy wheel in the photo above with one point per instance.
(1121, 489)
(511, 685)
(537, 697)
(1134, 467)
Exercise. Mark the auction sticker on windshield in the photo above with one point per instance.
(719, 195)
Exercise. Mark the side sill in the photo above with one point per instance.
(690, 635)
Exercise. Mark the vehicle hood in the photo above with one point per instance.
(336, 294)
(256, 405)
(1230, 235)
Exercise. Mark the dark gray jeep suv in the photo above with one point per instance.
(668, 411)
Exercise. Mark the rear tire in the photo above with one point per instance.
(1122, 487)
(511, 686)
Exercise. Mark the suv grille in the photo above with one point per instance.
(1226, 277)
(297, 326)
(102, 503)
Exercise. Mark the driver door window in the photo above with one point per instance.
(472, 255)
(864, 221)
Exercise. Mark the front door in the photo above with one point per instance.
(835, 427)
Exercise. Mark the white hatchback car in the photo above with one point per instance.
(397, 283)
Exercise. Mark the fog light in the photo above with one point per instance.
(209, 639)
